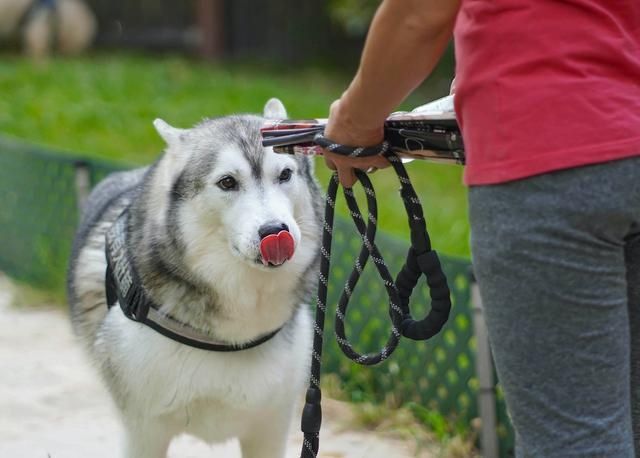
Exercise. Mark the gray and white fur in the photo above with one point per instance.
(195, 246)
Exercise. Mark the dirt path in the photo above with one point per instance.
(53, 405)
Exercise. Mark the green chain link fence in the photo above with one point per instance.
(38, 217)
(39, 211)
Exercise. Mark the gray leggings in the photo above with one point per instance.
(557, 258)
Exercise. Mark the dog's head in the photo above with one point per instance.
(232, 200)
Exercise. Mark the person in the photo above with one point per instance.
(548, 98)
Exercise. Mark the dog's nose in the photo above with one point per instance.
(271, 228)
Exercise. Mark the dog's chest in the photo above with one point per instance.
(175, 379)
(214, 421)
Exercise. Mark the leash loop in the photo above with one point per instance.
(368, 250)
(421, 260)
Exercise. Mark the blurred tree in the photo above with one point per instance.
(353, 16)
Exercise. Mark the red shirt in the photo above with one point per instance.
(544, 85)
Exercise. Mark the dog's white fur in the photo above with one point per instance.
(213, 396)
(164, 388)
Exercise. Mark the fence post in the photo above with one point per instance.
(210, 16)
(485, 370)
(82, 184)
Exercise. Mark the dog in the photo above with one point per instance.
(222, 236)
(44, 26)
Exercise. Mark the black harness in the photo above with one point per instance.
(123, 286)
(421, 260)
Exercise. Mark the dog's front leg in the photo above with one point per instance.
(146, 438)
(267, 436)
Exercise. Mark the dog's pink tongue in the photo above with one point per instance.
(277, 248)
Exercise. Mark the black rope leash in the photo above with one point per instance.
(421, 260)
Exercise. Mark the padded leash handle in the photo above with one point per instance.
(421, 260)
(427, 264)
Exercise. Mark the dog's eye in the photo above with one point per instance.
(285, 175)
(227, 183)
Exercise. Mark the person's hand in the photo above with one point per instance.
(346, 131)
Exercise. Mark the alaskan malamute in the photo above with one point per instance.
(220, 239)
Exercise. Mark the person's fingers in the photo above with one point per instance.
(452, 89)
(380, 162)
(376, 162)
(329, 162)
(345, 165)
(346, 173)
(336, 162)
(346, 176)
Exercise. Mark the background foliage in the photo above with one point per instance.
(103, 106)
(353, 16)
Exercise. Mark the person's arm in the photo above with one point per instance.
(405, 42)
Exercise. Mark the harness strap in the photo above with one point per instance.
(421, 260)
(122, 285)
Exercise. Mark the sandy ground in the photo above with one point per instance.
(52, 404)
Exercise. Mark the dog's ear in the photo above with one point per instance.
(274, 109)
(171, 135)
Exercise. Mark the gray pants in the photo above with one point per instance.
(557, 258)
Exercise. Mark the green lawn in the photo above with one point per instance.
(102, 106)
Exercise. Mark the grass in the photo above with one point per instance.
(102, 106)
(24, 295)
(430, 435)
